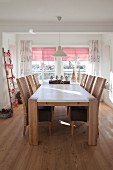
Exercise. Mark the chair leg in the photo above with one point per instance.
(50, 128)
(24, 131)
(98, 132)
(72, 127)
(68, 110)
(98, 129)
(68, 114)
(53, 108)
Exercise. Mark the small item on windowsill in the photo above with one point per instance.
(73, 78)
(61, 78)
(57, 77)
(5, 113)
(66, 78)
(58, 82)
(51, 77)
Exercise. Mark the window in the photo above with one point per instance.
(43, 62)
(69, 62)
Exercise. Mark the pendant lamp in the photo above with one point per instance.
(59, 52)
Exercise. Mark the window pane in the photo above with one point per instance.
(69, 62)
(49, 69)
(36, 68)
(43, 62)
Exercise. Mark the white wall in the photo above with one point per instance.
(51, 39)
(107, 56)
(1, 70)
(7, 43)
(107, 67)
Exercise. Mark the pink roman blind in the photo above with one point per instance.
(82, 53)
(43, 54)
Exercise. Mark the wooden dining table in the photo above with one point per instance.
(62, 95)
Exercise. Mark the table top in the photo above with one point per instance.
(61, 93)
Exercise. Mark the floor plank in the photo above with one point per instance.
(59, 151)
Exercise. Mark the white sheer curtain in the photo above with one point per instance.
(94, 57)
(25, 57)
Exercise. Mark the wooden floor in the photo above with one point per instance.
(59, 151)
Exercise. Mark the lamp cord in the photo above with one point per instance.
(59, 38)
(59, 19)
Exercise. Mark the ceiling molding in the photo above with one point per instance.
(26, 23)
(5, 1)
(55, 27)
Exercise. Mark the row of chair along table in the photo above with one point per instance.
(93, 85)
(29, 84)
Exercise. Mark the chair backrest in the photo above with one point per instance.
(25, 95)
(35, 77)
(89, 83)
(83, 81)
(98, 87)
(31, 84)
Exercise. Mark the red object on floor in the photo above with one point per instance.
(15, 104)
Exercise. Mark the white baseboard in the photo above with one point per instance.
(106, 99)
(109, 104)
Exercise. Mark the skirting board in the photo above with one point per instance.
(106, 98)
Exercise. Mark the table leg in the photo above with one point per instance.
(33, 122)
(93, 122)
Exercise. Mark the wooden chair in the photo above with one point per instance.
(83, 81)
(31, 84)
(82, 84)
(35, 77)
(44, 112)
(80, 113)
(98, 88)
(89, 83)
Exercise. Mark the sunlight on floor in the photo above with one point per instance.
(64, 123)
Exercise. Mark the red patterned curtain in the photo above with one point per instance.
(94, 56)
(26, 57)
(81, 53)
(43, 54)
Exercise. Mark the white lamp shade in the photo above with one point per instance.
(59, 53)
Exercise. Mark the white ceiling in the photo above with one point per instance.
(82, 11)
(78, 16)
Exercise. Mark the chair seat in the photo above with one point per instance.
(44, 108)
(78, 113)
(45, 113)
